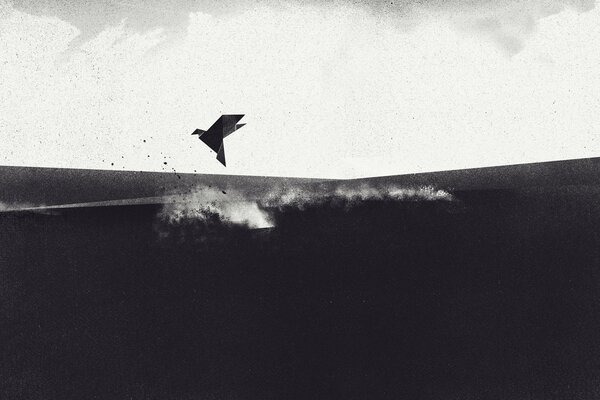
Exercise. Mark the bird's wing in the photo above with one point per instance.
(229, 123)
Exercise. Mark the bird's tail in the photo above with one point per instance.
(221, 154)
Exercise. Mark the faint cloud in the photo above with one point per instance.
(506, 23)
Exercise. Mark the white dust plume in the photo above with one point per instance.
(208, 205)
(211, 206)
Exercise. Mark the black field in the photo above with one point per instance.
(494, 295)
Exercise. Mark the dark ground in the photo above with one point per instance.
(494, 296)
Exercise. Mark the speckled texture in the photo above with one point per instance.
(332, 89)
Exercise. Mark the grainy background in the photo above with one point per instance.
(329, 89)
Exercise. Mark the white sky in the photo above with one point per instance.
(328, 91)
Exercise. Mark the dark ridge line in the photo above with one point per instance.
(134, 171)
(482, 169)
(408, 174)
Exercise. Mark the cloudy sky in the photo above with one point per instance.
(329, 89)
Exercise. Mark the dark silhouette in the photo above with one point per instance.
(223, 127)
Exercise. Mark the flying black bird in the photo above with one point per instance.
(223, 127)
